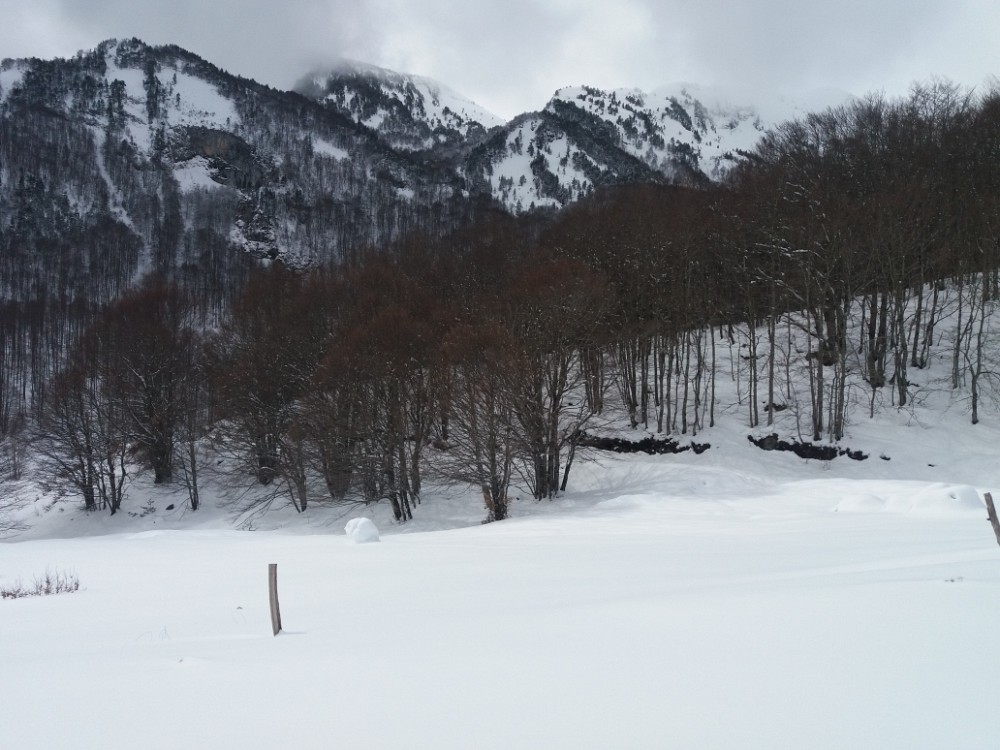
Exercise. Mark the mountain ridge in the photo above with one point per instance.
(178, 155)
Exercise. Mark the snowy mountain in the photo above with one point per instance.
(131, 158)
(586, 138)
(412, 113)
(583, 139)
(684, 129)
(182, 163)
(551, 158)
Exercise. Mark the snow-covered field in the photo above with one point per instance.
(736, 599)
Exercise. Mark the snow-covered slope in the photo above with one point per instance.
(552, 158)
(410, 112)
(157, 97)
(682, 127)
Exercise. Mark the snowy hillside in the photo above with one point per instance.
(185, 99)
(551, 159)
(540, 165)
(689, 126)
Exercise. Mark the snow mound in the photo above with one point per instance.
(947, 499)
(362, 530)
(936, 499)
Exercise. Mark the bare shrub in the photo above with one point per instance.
(53, 582)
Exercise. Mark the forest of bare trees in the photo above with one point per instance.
(834, 250)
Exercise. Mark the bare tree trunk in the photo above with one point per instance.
(977, 369)
(771, 348)
(816, 380)
(711, 408)
(626, 378)
(669, 394)
(752, 378)
(644, 354)
(661, 396)
(955, 370)
(687, 380)
(928, 339)
(696, 424)
(917, 316)
(901, 356)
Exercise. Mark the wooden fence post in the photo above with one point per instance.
(991, 512)
(272, 588)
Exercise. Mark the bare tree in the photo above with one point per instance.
(552, 311)
(481, 445)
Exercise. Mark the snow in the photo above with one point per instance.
(436, 98)
(326, 148)
(200, 102)
(734, 120)
(702, 125)
(135, 102)
(10, 78)
(740, 598)
(741, 116)
(194, 174)
(189, 101)
(440, 98)
(926, 499)
(361, 531)
(644, 620)
(116, 203)
(445, 112)
(521, 193)
(375, 121)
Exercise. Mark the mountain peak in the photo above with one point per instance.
(411, 112)
(687, 126)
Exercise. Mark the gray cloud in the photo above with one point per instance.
(274, 42)
(510, 56)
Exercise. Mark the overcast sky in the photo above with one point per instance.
(510, 55)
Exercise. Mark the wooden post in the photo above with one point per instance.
(991, 513)
(272, 588)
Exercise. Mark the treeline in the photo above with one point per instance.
(882, 218)
(343, 384)
(830, 257)
(834, 252)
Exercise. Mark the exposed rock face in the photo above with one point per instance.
(231, 159)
